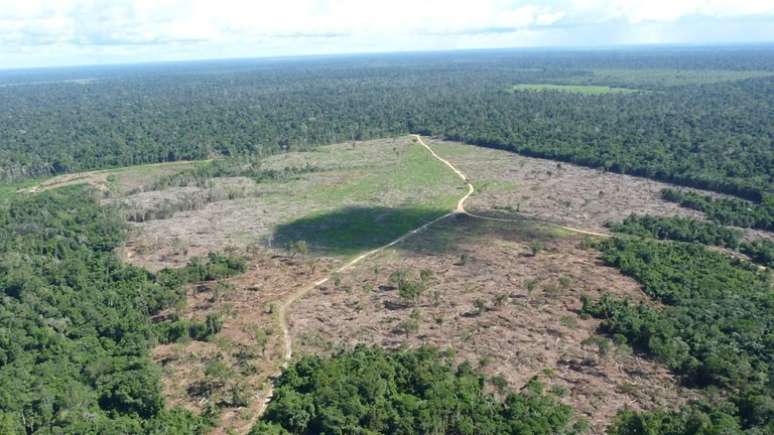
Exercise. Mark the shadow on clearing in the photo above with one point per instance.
(353, 230)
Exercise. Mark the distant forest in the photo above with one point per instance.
(699, 117)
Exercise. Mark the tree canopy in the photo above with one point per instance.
(369, 390)
(700, 117)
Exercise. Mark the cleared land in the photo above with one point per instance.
(360, 196)
(230, 372)
(500, 305)
(574, 89)
(366, 205)
(663, 77)
(504, 295)
(627, 81)
(510, 185)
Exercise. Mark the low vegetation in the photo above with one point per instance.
(760, 251)
(248, 167)
(217, 266)
(177, 330)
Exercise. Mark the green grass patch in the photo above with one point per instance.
(369, 209)
(662, 77)
(416, 179)
(573, 89)
(495, 186)
(9, 191)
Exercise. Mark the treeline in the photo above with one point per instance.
(670, 136)
(203, 174)
(709, 135)
(695, 419)
(727, 211)
(678, 228)
(714, 329)
(75, 322)
(695, 231)
(369, 390)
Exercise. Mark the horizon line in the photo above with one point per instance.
(311, 56)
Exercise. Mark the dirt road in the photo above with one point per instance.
(472, 190)
(460, 209)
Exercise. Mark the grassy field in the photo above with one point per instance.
(661, 77)
(351, 197)
(623, 81)
(574, 89)
(376, 206)
(9, 190)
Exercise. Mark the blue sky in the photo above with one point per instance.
(76, 32)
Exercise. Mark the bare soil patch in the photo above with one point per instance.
(507, 311)
(228, 372)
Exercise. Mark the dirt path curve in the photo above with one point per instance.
(282, 310)
(471, 190)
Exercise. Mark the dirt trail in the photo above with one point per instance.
(97, 178)
(460, 209)
(471, 190)
(283, 308)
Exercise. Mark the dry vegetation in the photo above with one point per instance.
(226, 374)
(508, 184)
(504, 297)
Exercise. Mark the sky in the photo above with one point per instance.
(42, 33)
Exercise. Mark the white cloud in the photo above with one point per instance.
(637, 11)
(151, 29)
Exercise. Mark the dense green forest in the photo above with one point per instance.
(695, 231)
(369, 390)
(678, 228)
(75, 324)
(703, 118)
(714, 329)
(727, 211)
(760, 251)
